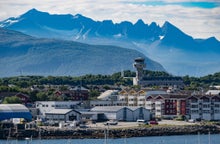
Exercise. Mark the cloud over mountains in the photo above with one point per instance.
(178, 52)
(198, 18)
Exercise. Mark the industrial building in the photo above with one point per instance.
(47, 106)
(122, 113)
(62, 115)
(10, 111)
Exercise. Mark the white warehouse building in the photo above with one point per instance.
(62, 115)
(122, 113)
(47, 106)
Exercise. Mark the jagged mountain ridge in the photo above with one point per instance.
(21, 54)
(178, 52)
(80, 26)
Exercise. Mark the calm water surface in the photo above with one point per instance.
(185, 139)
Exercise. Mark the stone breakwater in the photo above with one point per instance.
(46, 133)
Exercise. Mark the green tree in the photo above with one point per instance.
(42, 96)
(11, 100)
(33, 96)
(93, 94)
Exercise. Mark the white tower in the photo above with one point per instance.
(139, 64)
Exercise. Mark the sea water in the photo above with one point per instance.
(183, 139)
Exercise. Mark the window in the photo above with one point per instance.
(194, 100)
(148, 105)
(206, 111)
(217, 111)
(217, 105)
(194, 106)
(194, 111)
(205, 100)
(205, 106)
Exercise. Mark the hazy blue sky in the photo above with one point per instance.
(198, 18)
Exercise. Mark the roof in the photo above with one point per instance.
(107, 108)
(107, 94)
(59, 111)
(13, 108)
(79, 88)
(217, 87)
(133, 108)
(213, 92)
(158, 92)
(8, 111)
(58, 102)
(112, 108)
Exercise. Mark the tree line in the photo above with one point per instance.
(89, 79)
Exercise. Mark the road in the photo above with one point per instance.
(135, 124)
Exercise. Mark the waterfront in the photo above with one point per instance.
(183, 139)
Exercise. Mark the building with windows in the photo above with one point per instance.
(64, 115)
(132, 97)
(204, 107)
(163, 104)
(78, 93)
(166, 105)
(143, 79)
(122, 113)
(47, 106)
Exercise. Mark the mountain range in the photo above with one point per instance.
(21, 54)
(179, 53)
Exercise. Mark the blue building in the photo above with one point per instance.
(8, 111)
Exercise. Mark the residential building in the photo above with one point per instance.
(166, 105)
(78, 93)
(204, 107)
(132, 97)
(23, 97)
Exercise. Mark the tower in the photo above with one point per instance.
(139, 64)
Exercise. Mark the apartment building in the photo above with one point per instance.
(204, 107)
(132, 97)
(168, 105)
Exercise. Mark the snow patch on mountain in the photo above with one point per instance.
(161, 37)
(9, 22)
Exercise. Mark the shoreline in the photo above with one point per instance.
(155, 130)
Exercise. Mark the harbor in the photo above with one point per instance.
(116, 131)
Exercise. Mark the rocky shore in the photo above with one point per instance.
(45, 133)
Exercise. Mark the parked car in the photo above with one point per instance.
(191, 121)
(142, 121)
(153, 122)
(83, 126)
(111, 122)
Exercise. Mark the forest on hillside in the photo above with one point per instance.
(115, 79)
(95, 83)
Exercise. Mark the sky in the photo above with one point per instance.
(198, 18)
